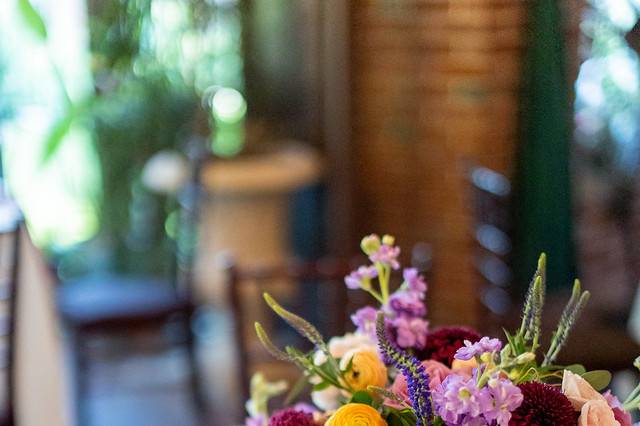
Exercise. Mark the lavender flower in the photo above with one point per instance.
(506, 398)
(414, 280)
(410, 332)
(408, 303)
(484, 345)
(459, 401)
(361, 277)
(365, 320)
(413, 371)
(386, 254)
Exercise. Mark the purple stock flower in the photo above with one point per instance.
(410, 332)
(459, 401)
(360, 277)
(365, 320)
(414, 280)
(506, 398)
(386, 254)
(408, 303)
(469, 350)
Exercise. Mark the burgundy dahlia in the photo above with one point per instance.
(291, 417)
(443, 343)
(543, 405)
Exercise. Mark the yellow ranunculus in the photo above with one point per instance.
(356, 415)
(367, 369)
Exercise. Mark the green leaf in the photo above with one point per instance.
(32, 18)
(361, 397)
(296, 390)
(321, 386)
(349, 366)
(599, 379)
(302, 326)
(57, 135)
(576, 368)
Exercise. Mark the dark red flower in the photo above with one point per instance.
(543, 405)
(291, 417)
(443, 343)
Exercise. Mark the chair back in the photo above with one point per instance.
(10, 224)
(314, 290)
(490, 194)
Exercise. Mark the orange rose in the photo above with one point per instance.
(367, 369)
(356, 415)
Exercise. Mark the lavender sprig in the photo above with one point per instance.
(568, 319)
(413, 371)
(531, 325)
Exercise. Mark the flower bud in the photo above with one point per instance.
(525, 358)
(370, 244)
(486, 357)
(388, 240)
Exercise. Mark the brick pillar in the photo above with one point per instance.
(435, 83)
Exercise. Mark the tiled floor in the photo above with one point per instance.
(151, 389)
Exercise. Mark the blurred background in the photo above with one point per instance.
(164, 153)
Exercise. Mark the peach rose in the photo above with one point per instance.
(578, 390)
(594, 408)
(356, 414)
(464, 368)
(437, 373)
(367, 369)
(596, 412)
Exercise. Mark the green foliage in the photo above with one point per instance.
(32, 19)
(527, 339)
(329, 372)
(361, 397)
(403, 417)
(570, 314)
(599, 379)
(302, 326)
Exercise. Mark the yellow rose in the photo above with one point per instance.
(367, 369)
(356, 415)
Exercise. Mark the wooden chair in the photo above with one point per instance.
(596, 343)
(318, 283)
(116, 305)
(490, 194)
(10, 231)
(306, 288)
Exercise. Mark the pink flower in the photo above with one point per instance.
(621, 415)
(437, 373)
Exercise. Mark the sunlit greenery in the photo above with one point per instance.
(101, 87)
(607, 89)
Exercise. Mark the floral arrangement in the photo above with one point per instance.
(394, 370)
